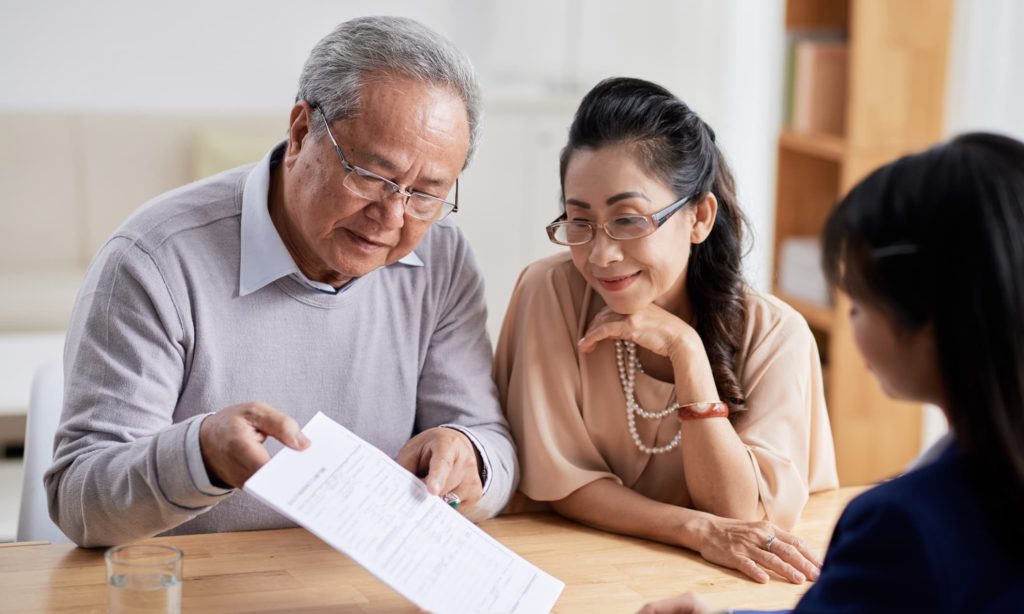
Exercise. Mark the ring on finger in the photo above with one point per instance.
(771, 540)
(453, 500)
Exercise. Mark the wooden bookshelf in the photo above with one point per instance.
(819, 317)
(895, 87)
(821, 146)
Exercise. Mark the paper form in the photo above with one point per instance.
(362, 503)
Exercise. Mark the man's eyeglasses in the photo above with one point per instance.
(372, 186)
(623, 228)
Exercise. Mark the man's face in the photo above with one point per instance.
(412, 133)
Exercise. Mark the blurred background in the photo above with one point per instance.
(106, 104)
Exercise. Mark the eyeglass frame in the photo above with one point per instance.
(395, 188)
(658, 218)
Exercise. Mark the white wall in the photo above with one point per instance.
(535, 58)
(986, 84)
(187, 55)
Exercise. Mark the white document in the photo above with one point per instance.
(362, 503)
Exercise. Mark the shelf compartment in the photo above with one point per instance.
(825, 146)
(817, 15)
(820, 317)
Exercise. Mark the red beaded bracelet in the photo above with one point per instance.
(695, 411)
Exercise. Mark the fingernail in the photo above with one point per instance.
(800, 578)
(303, 441)
(435, 487)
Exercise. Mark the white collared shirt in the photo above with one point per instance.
(933, 452)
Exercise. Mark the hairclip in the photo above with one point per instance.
(894, 250)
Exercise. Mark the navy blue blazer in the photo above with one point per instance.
(919, 543)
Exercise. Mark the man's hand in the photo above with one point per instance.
(446, 460)
(232, 440)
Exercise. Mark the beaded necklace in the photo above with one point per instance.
(628, 366)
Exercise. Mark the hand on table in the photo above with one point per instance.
(446, 461)
(754, 547)
(231, 440)
(688, 603)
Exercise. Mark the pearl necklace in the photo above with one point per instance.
(627, 376)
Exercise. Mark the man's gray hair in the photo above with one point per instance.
(366, 47)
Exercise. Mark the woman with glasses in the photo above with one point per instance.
(650, 391)
(929, 250)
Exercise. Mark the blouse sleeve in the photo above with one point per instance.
(536, 369)
(785, 428)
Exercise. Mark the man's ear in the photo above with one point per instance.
(704, 212)
(299, 124)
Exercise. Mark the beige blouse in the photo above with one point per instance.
(567, 411)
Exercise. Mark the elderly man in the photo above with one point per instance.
(324, 278)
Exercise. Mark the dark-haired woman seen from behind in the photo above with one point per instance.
(649, 390)
(931, 251)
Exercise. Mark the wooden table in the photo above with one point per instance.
(290, 570)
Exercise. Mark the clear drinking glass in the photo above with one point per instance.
(144, 578)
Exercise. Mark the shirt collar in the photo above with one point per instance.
(264, 257)
(937, 450)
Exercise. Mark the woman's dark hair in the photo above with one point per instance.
(937, 239)
(676, 146)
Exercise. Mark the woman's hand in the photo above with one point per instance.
(753, 547)
(688, 603)
(664, 334)
(652, 327)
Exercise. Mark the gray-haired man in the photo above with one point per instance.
(320, 279)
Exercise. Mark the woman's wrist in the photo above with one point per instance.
(693, 528)
(685, 343)
(695, 382)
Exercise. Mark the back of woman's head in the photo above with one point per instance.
(937, 239)
(673, 144)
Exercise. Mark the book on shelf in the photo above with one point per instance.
(819, 86)
(800, 274)
(795, 39)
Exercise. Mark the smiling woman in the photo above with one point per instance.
(650, 391)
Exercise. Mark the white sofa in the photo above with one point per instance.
(68, 180)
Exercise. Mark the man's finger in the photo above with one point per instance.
(250, 462)
(441, 463)
(409, 458)
(280, 426)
